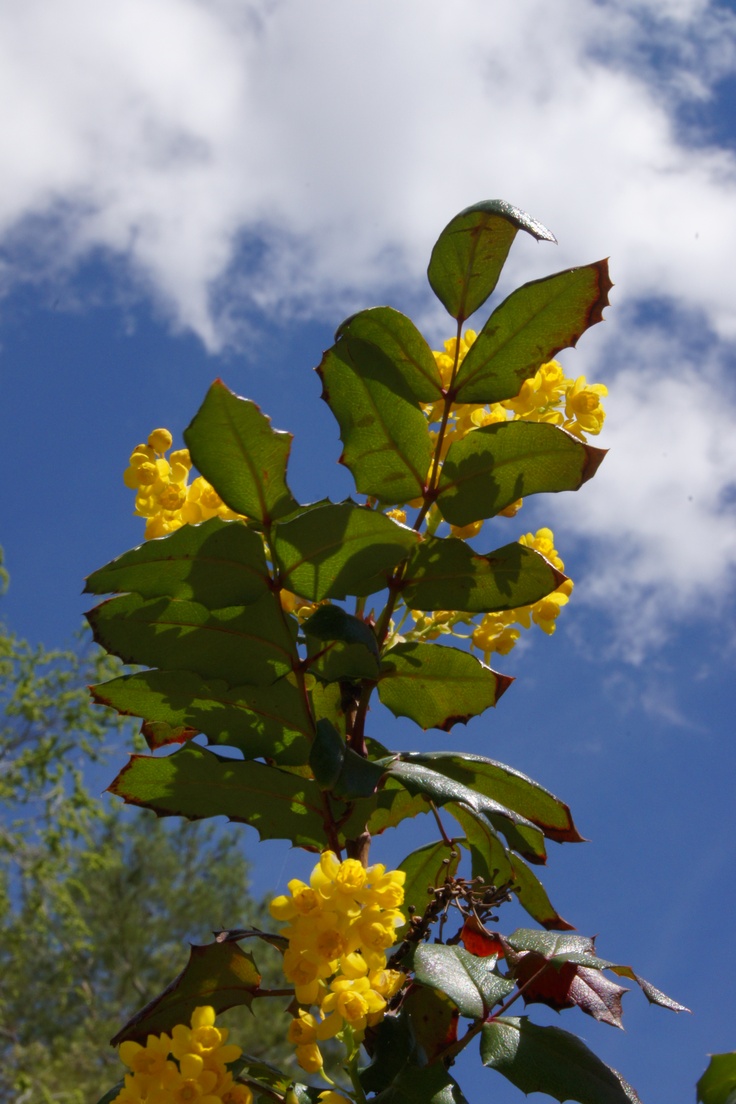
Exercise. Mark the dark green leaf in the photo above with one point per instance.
(471, 251)
(270, 722)
(433, 1020)
(334, 623)
(339, 549)
(425, 1085)
(437, 686)
(424, 869)
(718, 1083)
(340, 646)
(218, 974)
(234, 447)
(551, 1061)
(260, 1074)
(534, 323)
(508, 786)
(533, 897)
(491, 467)
(253, 644)
(327, 755)
(446, 574)
(397, 336)
(112, 1093)
(469, 982)
(218, 564)
(394, 1048)
(490, 859)
(195, 783)
(386, 439)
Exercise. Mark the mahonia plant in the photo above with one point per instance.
(267, 628)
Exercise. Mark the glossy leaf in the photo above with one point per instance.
(269, 722)
(470, 252)
(394, 1048)
(397, 336)
(491, 467)
(254, 644)
(425, 868)
(338, 768)
(389, 807)
(339, 549)
(195, 783)
(718, 1083)
(219, 974)
(422, 1085)
(469, 982)
(551, 1061)
(528, 329)
(437, 686)
(218, 564)
(508, 786)
(386, 439)
(566, 985)
(446, 574)
(234, 447)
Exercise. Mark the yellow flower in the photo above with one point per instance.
(583, 408)
(149, 1060)
(309, 1058)
(160, 440)
(546, 611)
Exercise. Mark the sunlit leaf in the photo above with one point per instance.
(218, 974)
(218, 564)
(425, 868)
(469, 982)
(437, 686)
(333, 550)
(397, 336)
(495, 465)
(528, 329)
(551, 1061)
(446, 574)
(470, 252)
(718, 1083)
(386, 439)
(234, 447)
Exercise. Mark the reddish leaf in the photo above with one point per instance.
(564, 985)
(480, 942)
(159, 733)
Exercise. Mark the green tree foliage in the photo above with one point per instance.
(96, 906)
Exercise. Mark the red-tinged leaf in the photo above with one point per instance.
(218, 974)
(158, 734)
(480, 942)
(397, 336)
(434, 1020)
(564, 985)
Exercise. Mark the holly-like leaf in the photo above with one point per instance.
(470, 252)
(393, 1048)
(495, 465)
(218, 563)
(195, 783)
(270, 722)
(340, 646)
(564, 985)
(425, 868)
(389, 807)
(528, 329)
(397, 336)
(422, 1085)
(338, 768)
(386, 439)
(437, 686)
(533, 898)
(551, 1061)
(330, 551)
(508, 786)
(718, 1083)
(471, 983)
(479, 941)
(234, 447)
(446, 574)
(433, 1020)
(254, 644)
(218, 974)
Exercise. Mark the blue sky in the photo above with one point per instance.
(202, 188)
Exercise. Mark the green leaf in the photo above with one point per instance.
(270, 722)
(718, 1083)
(112, 1093)
(437, 686)
(533, 897)
(389, 807)
(339, 549)
(425, 868)
(397, 336)
(508, 786)
(234, 447)
(387, 445)
(394, 1049)
(340, 646)
(195, 783)
(253, 644)
(218, 564)
(470, 252)
(528, 329)
(489, 858)
(433, 1020)
(338, 768)
(422, 1085)
(218, 974)
(551, 1061)
(446, 574)
(470, 982)
(335, 623)
(493, 466)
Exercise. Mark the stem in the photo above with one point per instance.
(440, 825)
(352, 1072)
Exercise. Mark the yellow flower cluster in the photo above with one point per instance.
(164, 495)
(339, 928)
(187, 1067)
